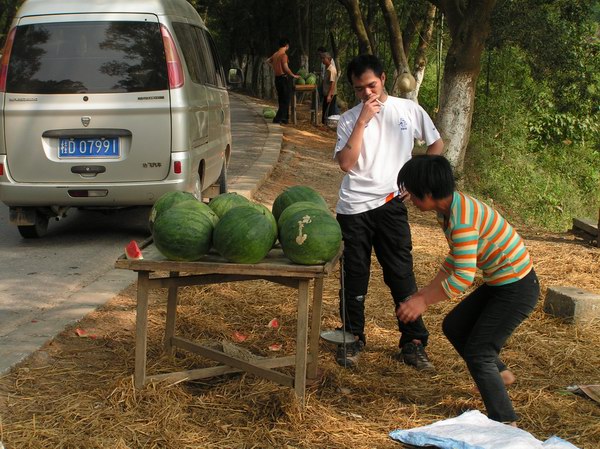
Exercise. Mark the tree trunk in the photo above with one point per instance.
(420, 61)
(303, 23)
(468, 22)
(398, 55)
(358, 25)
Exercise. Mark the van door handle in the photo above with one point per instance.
(222, 116)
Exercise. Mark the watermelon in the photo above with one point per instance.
(183, 233)
(310, 236)
(303, 73)
(165, 202)
(265, 210)
(244, 235)
(300, 205)
(269, 113)
(311, 79)
(221, 204)
(300, 81)
(132, 251)
(201, 207)
(294, 194)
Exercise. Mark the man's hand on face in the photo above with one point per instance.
(371, 106)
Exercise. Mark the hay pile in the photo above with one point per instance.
(77, 392)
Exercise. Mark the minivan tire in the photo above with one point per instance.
(222, 181)
(37, 230)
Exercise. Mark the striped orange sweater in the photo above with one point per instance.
(479, 237)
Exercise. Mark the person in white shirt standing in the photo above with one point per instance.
(374, 140)
(333, 108)
(329, 86)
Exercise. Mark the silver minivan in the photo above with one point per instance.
(108, 104)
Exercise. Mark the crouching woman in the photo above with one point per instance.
(478, 237)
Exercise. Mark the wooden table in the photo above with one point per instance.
(213, 269)
(314, 108)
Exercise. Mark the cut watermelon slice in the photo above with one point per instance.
(133, 252)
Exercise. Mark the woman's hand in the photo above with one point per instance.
(411, 309)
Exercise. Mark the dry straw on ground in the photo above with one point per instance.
(77, 391)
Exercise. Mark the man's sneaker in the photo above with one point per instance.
(349, 357)
(414, 354)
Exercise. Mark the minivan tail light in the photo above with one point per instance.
(5, 58)
(1, 169)
(177, 167)
(174, 67)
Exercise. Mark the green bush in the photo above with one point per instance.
(540, 177)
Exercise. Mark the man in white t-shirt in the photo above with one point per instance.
(374, 140)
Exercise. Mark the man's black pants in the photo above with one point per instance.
(386, 230)
(284, 98)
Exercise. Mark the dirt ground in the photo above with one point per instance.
(77, 391)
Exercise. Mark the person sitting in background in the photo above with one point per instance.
(479, 237)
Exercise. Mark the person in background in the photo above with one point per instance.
(283, 74)
(333, 109)
(329, 86)
(374, 140)
(478, 237)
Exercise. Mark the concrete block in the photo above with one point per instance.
(572, 303)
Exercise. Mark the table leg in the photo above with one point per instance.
(171, 315)
(294, 107)
(316, 108)
(301, 340)
(141, 329)
(315, 328)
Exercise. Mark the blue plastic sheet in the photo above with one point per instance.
(474, 430)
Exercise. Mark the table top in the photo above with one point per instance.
(274, 264)
(305, 87)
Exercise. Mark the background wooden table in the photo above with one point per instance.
(314, 108)
(213, 269)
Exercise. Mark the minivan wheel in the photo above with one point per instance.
(223, 179)
(197, 187)
(36, 230)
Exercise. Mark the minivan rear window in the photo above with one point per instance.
(87, 57)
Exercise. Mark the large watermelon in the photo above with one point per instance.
(244, 235)
(183, 233)
(201, 207)
(295, 207)
(165, 202)
(221, 204)
(303, 73)
(310, 237)
(265, 210)
(311, 79)
(294, 194)
(300, 81)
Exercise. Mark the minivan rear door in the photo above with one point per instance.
(88, 92)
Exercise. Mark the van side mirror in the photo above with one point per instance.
(235, 77)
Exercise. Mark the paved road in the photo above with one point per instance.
(49, 283)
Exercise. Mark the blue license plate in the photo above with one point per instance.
(96, 147)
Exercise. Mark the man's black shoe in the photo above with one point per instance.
(414, 354)
(348, 358)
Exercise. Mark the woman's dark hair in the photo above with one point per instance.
(283, 42)
(427, 174)
(360, 64)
